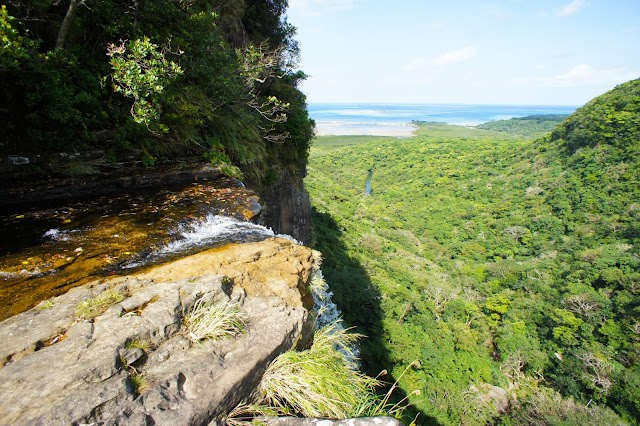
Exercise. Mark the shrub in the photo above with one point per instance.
(318, 382)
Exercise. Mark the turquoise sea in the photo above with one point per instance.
(395, 119)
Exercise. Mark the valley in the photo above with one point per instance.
(485, 259)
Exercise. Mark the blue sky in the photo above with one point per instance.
(544, 52)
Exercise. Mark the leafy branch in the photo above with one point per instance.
(141, 71)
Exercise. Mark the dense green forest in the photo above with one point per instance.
(530, 126)
(496, 268)
(210, 80)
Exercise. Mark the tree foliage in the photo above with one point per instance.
(184, 78)
(493, 259)
(531, 126)
(141, 71)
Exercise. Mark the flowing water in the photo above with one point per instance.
(44, 251)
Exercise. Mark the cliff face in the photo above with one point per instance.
(287, 207)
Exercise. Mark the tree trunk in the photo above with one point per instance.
(66, 24)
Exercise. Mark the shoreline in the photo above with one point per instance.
(396, 120)
(345, 128)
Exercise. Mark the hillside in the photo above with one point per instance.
(482, 261)
(532, 126)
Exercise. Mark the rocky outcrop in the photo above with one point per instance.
(101, 181)
(494, 395)
(287, 206)
(133, 363)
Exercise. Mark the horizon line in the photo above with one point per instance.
(437, 103)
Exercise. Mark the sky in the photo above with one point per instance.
(503, 52)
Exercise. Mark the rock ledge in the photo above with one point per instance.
(133, 364)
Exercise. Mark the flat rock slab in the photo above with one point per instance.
(133, 364)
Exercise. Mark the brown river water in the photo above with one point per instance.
(46, 250)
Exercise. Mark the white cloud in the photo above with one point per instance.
(417, 64)
(571, 8)
(456, 56)
(582, 75)
(438, 25)
(449, 58)
(311, 8)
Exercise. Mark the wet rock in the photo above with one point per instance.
(275, 267)
(59, 370)
(103, 183)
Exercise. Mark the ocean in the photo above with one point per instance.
(395, 119)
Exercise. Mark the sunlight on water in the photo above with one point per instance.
(212, 229)
(325, 128)
(56, 235)
(206, 232)
(48, 249)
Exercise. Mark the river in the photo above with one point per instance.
(46, 250)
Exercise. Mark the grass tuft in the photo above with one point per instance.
(374, 405)
(95, 306)
(138, 382)
(214, 321)
(47, 304)
(318, 382)
(318, 285)
(137, 344)
(247, 414)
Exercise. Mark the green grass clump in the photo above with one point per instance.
(138, 382)
(318, 382)
(137, 344)
(214, 321)
(47, 304)
(95, 306)
(249, 414)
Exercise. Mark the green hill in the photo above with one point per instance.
(482, 260)
(612, 119)
(531, 126)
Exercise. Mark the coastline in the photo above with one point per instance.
(344, 128)
(395, 120)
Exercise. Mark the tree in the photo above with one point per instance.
(66, 23)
